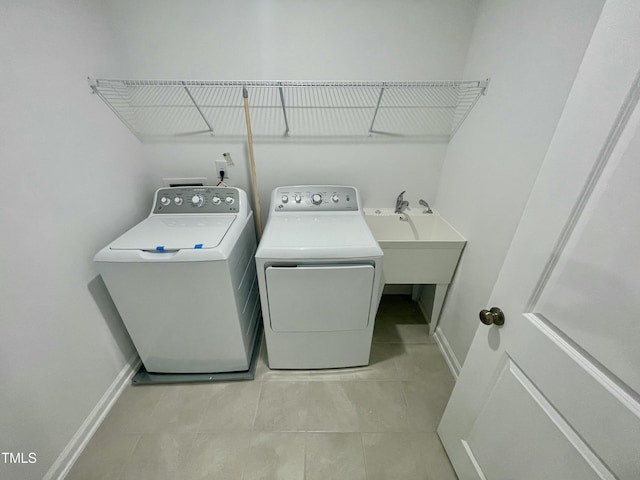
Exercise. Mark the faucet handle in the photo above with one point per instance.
(426, 205)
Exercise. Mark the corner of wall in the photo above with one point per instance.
(447, 352)
(80, 439)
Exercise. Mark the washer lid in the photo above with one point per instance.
(175, 232)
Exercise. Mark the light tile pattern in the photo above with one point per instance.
(370, 423)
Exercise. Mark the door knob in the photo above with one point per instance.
(492, 317)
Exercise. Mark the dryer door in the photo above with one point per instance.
(319, 298)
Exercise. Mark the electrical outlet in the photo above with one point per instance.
(221, 165)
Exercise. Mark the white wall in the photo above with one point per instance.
(294, 39)
(379, 172)
(72, 178)
(300, 40)
(531, 50)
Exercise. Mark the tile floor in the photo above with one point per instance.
(370, 423)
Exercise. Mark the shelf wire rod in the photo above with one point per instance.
(442, 100)
(308, 99)
(413, 116)
(465, 114)
(339, 117)
(149, 118)
(434, 118)
(351, 114)
(195, 104)
(432, 98)
(154, 102)
(410, 117)
(435, 107)
(360, 115)
(270, 115)
(229, 96)
(103, 97)
(445, 97)
(327, 120)
(343, 115)
(284, 110)
(346, 114)
(324, 119)
(326, 112)
(375, 114)
(368, 96)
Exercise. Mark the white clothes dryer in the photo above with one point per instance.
(319, 271)
(184, 281)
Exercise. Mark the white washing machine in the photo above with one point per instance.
(319, 272)
(184, 281)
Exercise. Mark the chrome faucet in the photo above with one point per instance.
(401, 204)
(426, 205)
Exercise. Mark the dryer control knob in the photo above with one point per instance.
(165, 201)
(177, 200)
(230, 200)
(297, 198)
(335, 198)
(285, 198)
(216, 200)
(197, 200)
(316, 199)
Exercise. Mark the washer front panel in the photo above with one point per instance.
(318, 198)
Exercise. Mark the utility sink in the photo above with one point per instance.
(412, 230)
(419, 248)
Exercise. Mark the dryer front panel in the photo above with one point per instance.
(319, 298)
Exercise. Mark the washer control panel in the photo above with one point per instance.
(196, 200)
(329, 198)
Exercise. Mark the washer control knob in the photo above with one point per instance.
(297, 198)
(216, 200)
(197, 200)
(335, 198)
(285, 199)
(230, 200)
(316, 199)
(165, 201)
(177, 200)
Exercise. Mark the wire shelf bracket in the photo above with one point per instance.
(162, 110)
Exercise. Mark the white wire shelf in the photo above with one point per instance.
(157, 110)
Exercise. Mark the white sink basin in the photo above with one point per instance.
(419, 248)
(411, 230)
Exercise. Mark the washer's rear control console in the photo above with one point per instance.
(196, 200)
(321, 198)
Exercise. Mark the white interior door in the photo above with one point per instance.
(555, 392)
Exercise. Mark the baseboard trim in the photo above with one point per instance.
(447, 352)
(80, 439)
